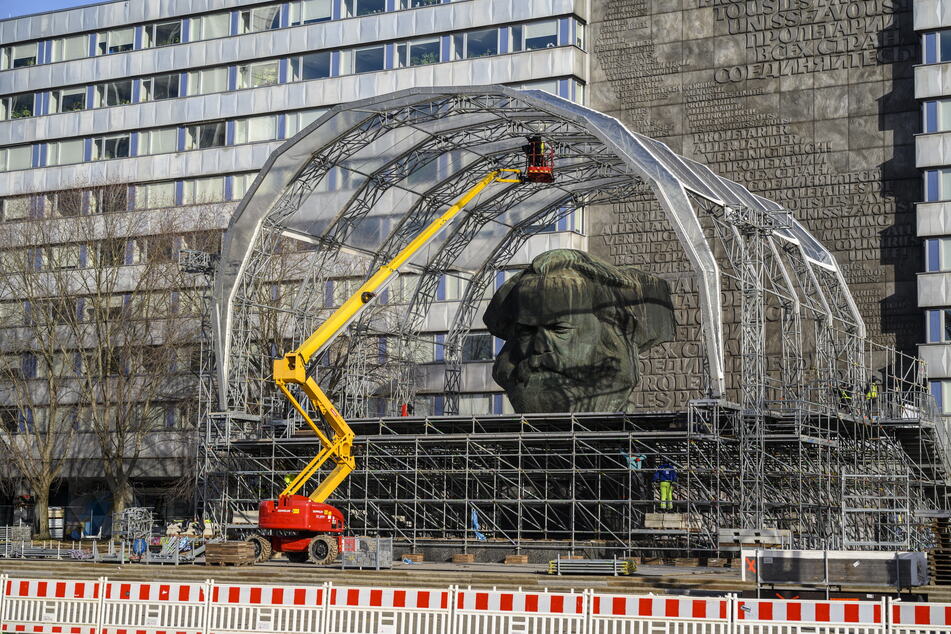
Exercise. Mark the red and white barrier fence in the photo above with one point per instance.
(44, 606)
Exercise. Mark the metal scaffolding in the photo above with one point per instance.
(773, 437)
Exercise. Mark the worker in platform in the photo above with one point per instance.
(665, 476)
(871, 395)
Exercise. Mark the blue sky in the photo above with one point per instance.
(11, 8)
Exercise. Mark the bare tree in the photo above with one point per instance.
(111, 322)
(38, 375)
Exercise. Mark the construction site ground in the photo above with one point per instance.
(655, 579)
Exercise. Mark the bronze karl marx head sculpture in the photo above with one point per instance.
(573, 328)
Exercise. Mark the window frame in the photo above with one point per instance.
(404, 51)
(59, 46)
(297, 66)
(57, 97)
(103, 91)
(206, 19)
(147, 91)
(8, 105)
(150, 31)
(243, 126)
(246, 73)
(247, 17)
(55, 151)
(197, 80)
(147, 138)
(100, 143)
(195, 133)
(104, 39)
(296, 13)
(6, 154)
(355, 53)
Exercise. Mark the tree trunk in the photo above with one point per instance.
(41, 511)
(121, 494)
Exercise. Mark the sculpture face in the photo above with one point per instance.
(572, 334)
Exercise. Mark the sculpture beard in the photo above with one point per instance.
(570, 349)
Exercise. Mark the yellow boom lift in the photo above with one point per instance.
(305, 528)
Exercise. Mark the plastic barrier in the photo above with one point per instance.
(50, 606)
(44, 606)
(623, 614)
(388, 611)
(912, 618)
(767, 616)
(495, 612)
(154, 608)
(238, 609)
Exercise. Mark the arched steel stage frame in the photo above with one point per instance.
(359, 183)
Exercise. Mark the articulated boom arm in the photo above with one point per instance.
(292, 368)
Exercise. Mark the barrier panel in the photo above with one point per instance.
(912, 618)
(767, 616)
(50, 606)
(388, 611)
(240, 609)
(154, 608)
(501, 612)
(625, 614)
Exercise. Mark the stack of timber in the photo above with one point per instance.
(229, 553)
(614, 567)
(941, 555)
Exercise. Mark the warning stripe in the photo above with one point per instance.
(522, 602)
(243, 594)
(921, 614)
(165, 592)
(389, 598)
(659, 607)
(866, 612)
(51, 589)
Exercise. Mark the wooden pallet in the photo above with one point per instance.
(939, 558)
(229, 554)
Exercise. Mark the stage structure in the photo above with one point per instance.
(779, 434)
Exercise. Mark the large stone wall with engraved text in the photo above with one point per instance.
(808, 102)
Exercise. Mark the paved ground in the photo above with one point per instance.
(432, 575)
(648, 579)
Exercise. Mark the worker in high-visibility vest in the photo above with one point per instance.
(665, 477)
(871, 394)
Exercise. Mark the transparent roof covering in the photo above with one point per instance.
(370, 175)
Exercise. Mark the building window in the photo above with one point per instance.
(257, 75)
(937, 184)
(110, 147)
(260, 19)
(203, 190)
(937, 254)
(418, 52)
(938, 325)
(297, 121)
(16, 158)
(65, 152)
(155, 195)
(255, 129)
(69, 203)
(313, 66)
(530, 37)
(936, 115)
(240, 183)
(353, 8)
(158, 141)
(69, 48)
(19, 56)
(17, 208)
(477, 347)
(160, 87)
(580, 35)
(310, 11)
(114, 93)
(163, 33)
(69, 99)
(116, 41)
(205, 135)
(211, 26)
(367, 60)
(475, 404)
(476, 44)
(414, 4)
(203, 82)
(941, 390)
(16, 106)
(109, 200)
